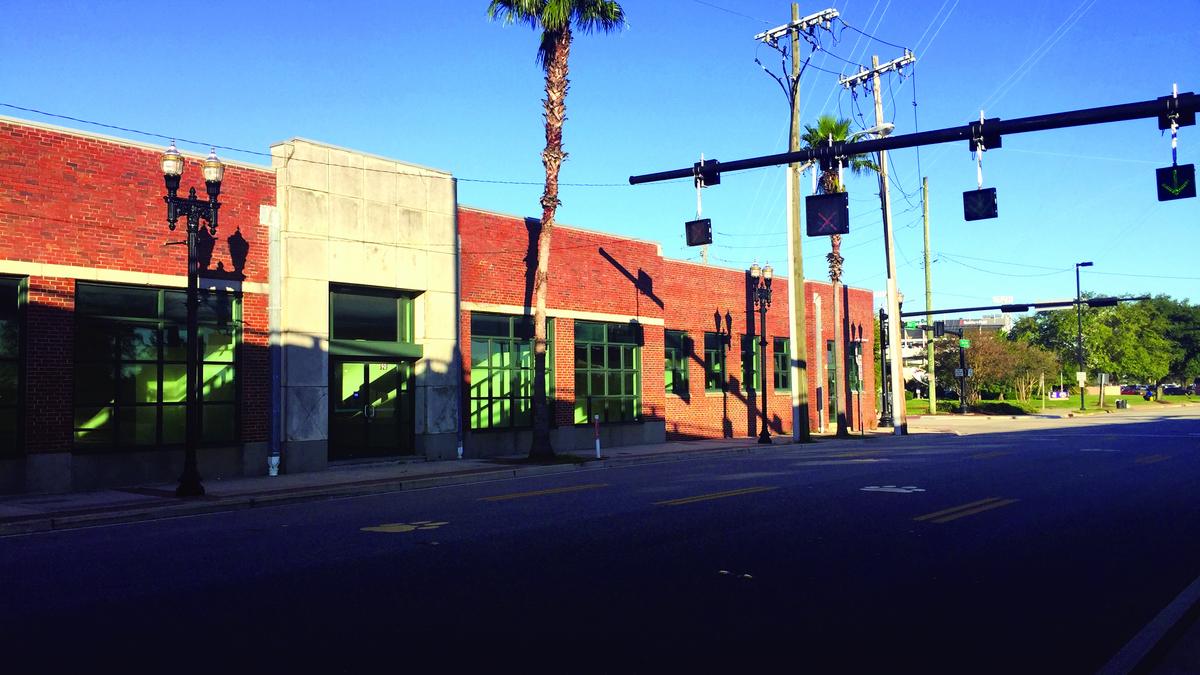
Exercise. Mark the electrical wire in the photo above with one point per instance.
(870, 36)
(258, 153)
(730, 11)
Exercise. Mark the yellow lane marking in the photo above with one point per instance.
(980, 509)
(964, 510)
(1150, 459)
(856, 453)
(960, 507)
(714, 495)
(538, 493)
(990, 455)
(396, 528)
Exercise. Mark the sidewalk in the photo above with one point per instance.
(20, 514)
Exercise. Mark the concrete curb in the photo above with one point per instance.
(161, 511)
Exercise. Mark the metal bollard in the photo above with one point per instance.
(596, 427)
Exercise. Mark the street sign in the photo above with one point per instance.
(964, 343)
(912, 325)
(699, 232)
(1081, 377)
(827, 214)
(958, 372)
(979, 204)
(1176, 182)
(970, 372)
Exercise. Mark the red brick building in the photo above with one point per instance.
(86, 402)
(697, 320)
(385, 341)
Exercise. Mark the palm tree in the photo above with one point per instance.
(555, 18)
(831, 129)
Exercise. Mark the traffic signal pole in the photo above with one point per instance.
(929, 356)
(896, 372)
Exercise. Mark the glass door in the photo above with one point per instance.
(372, 409)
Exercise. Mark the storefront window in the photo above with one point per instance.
(607, 372)
(676, 347)
(502, 369)
(10, 365)
(131, 365)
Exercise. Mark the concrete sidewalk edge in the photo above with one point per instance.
(158, 511)
(1158, 636)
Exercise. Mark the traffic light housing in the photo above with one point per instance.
(980, 204)
(939, 329)
(1176, 182)
(698, 232)
(827, 214)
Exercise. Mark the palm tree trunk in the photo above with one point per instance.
(552, 158)
(840, 394)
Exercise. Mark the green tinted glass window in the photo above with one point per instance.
(676, 351)
(782, 370)
(610, 383)
(502, 370)
(10, 365)
(131, 365)
(751, 358)
(714, 362)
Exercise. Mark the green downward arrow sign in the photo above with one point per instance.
(1176, 182)
(1176, 188)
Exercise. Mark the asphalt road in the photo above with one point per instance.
(1020, 547)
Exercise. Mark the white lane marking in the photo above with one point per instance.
(905, 489)
(1099, 450)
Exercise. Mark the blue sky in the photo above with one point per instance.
(438, 84)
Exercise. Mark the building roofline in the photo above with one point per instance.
(141, 145)
(573, 228)
(372, 155)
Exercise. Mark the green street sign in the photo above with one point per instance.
(912, 325)
(964, 343)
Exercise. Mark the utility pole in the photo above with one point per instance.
(896, 375)
(796, 303)
(796, 299)
(929, 356)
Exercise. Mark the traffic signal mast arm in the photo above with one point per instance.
(1182, 107)
(1090, 302)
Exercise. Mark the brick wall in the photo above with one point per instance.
(77, 200)
(49, 350)
(72, 199)
(604, 274)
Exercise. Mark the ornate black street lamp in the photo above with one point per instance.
(760, 280)
(194, 210)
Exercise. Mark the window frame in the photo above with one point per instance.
(751, 353)
(781, 374)
(633, 341)
(676, 351)
(13, 446)
(162, 323)
(514, 370)
(715, 379)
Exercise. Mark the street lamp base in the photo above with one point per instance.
(189, 486)
(764, 437)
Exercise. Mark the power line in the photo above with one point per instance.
(868, 35)
(257, 153)
(730, 11)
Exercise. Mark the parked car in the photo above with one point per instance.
(1132, 390)
(1174, 390)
